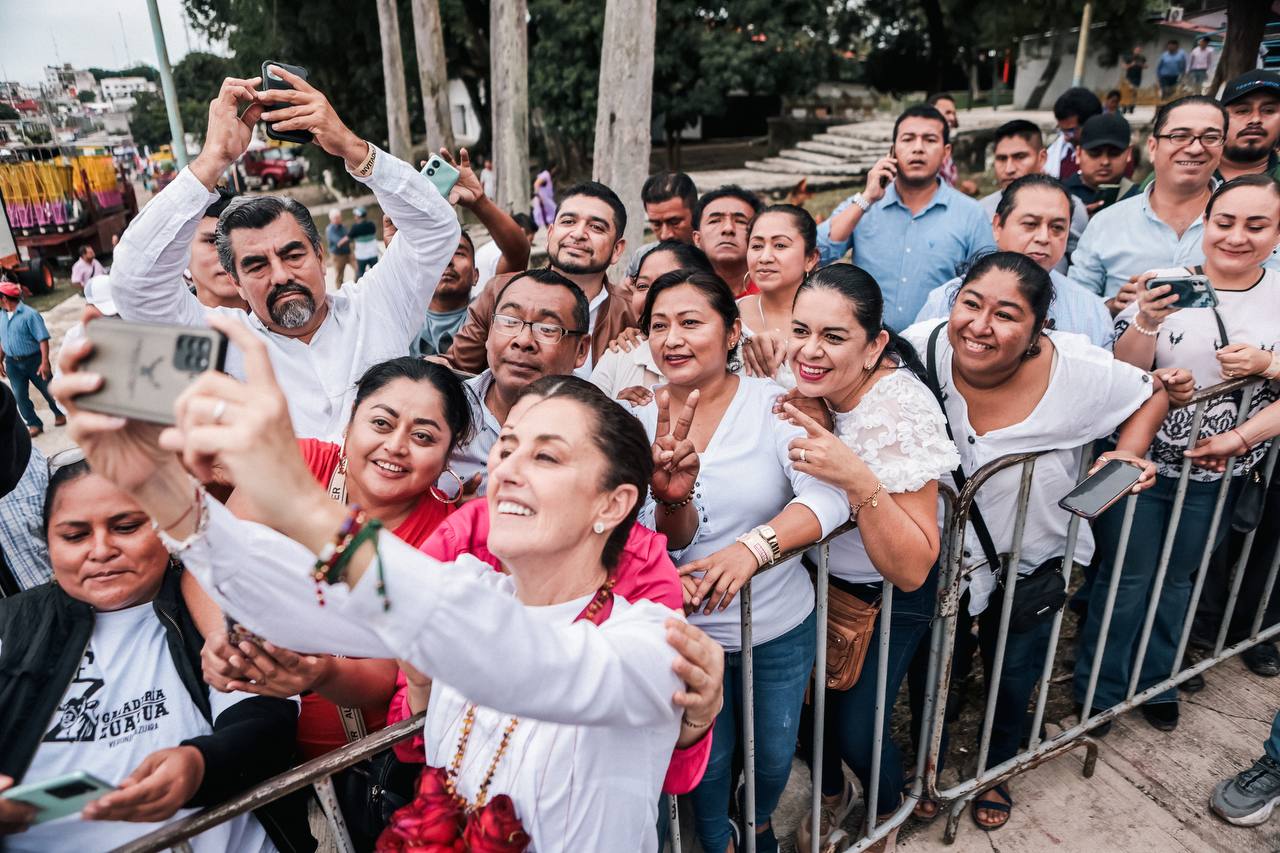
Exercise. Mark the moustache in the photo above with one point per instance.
(280, 291)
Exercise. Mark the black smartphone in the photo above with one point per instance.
(1095, 495)
(271, 81)
(884, 179)
(1194, 291)
(1108, 193)
(145, 366)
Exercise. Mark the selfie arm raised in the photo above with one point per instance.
(146, 275)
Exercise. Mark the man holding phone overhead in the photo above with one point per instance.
(319, 343)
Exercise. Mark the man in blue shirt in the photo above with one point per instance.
(24, 355)
(908, 228)
(335, 234)
(1034, 218)
(1170, 68)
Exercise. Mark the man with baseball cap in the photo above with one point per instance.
(24, 355)
(1104, 157)
(1253, 125)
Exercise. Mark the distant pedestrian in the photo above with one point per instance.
(1198, 65)
(24, 356)
(1134, 64)
(364, 234)
(1071, 110)
(489, 179)
(1170, 68)
(339, 240)
(544, 198)
(1111, 104)
(86, 267)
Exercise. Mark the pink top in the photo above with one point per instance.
(644, 571)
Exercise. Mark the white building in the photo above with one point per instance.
(63, 81)
(114, 88)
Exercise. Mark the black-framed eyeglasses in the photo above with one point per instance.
(547, 333)
(1183, 138)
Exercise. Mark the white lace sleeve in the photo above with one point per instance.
(899, 431)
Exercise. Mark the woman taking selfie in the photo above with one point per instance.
(752, 504)
(532, 710)
(100, 674)
(889, 448)
(781, 250)
(1011, 386)
(628, 365)
(1235, 339)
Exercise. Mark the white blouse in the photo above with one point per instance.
(745, 479)
(1089, 395)
(1189, 338)
(597, 725)
(618, 371)
(898, 430)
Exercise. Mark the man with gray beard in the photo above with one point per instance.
(319, 343)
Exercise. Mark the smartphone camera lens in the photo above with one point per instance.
(430, 172)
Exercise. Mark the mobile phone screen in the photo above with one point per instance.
(1101, 490)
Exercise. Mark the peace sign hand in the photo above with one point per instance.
(675, 461)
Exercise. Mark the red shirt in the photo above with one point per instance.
(644, 571)
(319, 727)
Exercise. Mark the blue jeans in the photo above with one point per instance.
(781, 670)
(848, 735)
(1273, 742)
(22, 369)
(1150, 522)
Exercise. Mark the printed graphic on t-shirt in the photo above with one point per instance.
(81, 719)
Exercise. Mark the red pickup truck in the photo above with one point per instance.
(273, 167)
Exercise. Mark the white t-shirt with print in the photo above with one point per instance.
(125, 702)
(1089, 395)
(1190, 339)
(898, 430)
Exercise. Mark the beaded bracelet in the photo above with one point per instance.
(1143, 330)
(671, 506)
(332, 552)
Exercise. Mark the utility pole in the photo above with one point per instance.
(178, 137)
(1082, 45)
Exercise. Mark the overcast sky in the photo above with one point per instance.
(102, 33)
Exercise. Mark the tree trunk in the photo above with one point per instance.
(509, 97)
(1246, 21)
(398, 141)
(939, 40)
(624, 107)
(428, 40)
(1050, 71)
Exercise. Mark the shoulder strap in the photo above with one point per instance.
(975, 515)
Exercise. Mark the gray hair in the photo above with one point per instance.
(259, 212)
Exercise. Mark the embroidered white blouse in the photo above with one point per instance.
(899, 431)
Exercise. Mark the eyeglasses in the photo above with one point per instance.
(1183, 138)
(547, 333)
(63, 458)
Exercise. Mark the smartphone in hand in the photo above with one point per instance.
(271, 81)
(60, 796)
(442, 175)
(145, 366)
(1194, 291)
(1098, 492)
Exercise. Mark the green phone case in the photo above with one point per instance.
(61, 796)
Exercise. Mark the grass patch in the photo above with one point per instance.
(63, 290)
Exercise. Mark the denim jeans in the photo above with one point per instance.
(1150, 522)
(1273, 742)
(22, 369)
(780, 670)
(848, 734)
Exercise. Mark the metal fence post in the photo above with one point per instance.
(748, 725)
(819, 692)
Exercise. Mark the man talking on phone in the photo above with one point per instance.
(319, 343)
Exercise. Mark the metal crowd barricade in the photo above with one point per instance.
(958, 796)
(874, 829)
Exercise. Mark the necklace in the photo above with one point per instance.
(592, 611)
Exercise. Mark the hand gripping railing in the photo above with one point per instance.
(958, 796)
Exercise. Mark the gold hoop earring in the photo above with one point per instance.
(441, 495)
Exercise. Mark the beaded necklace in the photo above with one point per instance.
(591, 613)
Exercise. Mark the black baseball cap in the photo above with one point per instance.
(1106, 129)
(1250, 82)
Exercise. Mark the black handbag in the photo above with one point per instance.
(1247, 514)
(1037, 596)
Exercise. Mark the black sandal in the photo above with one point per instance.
(993, 805)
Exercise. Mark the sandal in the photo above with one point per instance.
(993, 805)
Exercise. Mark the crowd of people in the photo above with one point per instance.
(525, 503)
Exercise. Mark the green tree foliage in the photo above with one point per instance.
(8, 113)
(87, 97)
(139, 70)
(148, 121)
